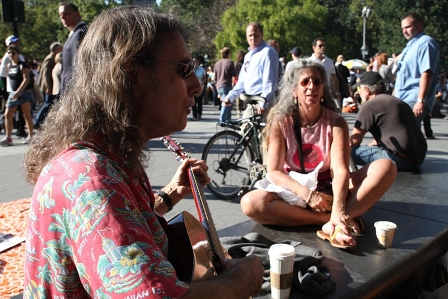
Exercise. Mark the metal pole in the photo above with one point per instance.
(15, 19)
(363, 37)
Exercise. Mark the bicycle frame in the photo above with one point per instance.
(252, 132)
(234, 156)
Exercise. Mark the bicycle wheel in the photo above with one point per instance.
(228, 163)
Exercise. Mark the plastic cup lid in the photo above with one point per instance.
(282, 250)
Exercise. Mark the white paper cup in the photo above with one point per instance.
(385, 231)
(282, 262)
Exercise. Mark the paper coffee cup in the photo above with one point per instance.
(281, 257)
(385, 231)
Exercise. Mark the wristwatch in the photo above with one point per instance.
(420, 101)
(166, 199)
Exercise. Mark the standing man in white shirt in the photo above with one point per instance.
(71, 19)
(259, 74)
(319, 47)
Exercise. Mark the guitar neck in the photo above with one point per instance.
(205, 215)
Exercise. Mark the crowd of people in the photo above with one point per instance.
(25, 81)
(96, 225)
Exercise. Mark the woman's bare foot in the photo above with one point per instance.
(339, 235)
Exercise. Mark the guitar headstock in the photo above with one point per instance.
(175, 147)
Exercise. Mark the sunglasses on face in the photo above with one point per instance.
(189, 67)
(306, 82)
(322, 45)
(12, 53)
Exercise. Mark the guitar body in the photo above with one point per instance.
(189, 249)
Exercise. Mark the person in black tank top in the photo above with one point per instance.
(20, 95)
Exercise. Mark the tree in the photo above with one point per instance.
(292, 23)
(219, 23)
(388, 33)
(203, 17)
(42, 25)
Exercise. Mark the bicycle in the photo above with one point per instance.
(235, 160)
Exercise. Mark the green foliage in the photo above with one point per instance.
(291, 22)
(219, 23)
(383, 32)
(203, 16)
(42, 25)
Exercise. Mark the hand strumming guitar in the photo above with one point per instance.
(241, 279)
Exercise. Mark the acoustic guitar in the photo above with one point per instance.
(195, 250)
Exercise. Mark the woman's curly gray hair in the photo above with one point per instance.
(285, 104)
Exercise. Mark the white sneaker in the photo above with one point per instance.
(27, 140)
(7, 141)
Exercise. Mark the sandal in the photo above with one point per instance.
(332, 239)
(361, 225)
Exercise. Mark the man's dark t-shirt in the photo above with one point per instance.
(393, 125)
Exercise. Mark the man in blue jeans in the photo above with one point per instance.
(392, 123)
(46, 83)
(225, 71)
(418, 70)
(259, 73)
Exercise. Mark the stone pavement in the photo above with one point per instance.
(162, 165)
(411, 197)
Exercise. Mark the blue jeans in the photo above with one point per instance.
(226, 112)
(426, 118)
(364, 154)
(48, 102)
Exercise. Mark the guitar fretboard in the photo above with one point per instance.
(198, 194)
(207, 217)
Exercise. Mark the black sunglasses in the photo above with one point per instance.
(306, 82)
(322, 45)
(12, 53)
(189, 67)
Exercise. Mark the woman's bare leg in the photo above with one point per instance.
(268, 208)
(26, 110)
(9, 122)
(368, 184)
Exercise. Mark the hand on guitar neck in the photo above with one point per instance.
(179, 187)
(194, 247)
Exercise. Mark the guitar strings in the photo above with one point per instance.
(203, 209)
(217, 247)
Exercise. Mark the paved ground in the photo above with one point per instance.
(162, 165)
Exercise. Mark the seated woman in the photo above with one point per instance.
(341, 197)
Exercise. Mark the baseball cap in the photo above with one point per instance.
(296, 51)
(369, 78)
(11, 39)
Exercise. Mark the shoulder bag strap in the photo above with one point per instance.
(299, 139)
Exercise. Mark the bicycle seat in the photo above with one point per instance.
(251, 99)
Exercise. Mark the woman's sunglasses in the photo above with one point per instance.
(306, 82)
